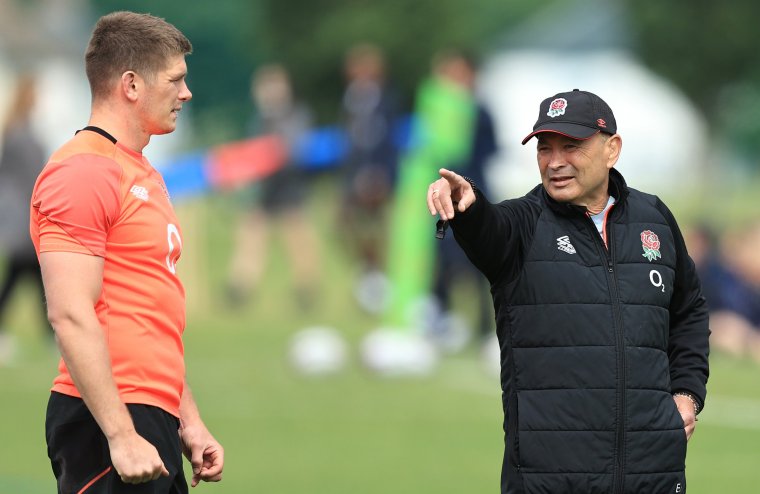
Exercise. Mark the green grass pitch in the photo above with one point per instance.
(349, 433)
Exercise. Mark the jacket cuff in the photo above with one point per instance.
(472, 212)
(698, 401)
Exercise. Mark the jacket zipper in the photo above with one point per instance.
(607, 253)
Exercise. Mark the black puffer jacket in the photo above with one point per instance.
(594, 340)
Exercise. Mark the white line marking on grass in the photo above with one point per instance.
(730, 412)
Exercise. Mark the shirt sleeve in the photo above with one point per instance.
(78, 201)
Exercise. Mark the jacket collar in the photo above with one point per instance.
(618, 189)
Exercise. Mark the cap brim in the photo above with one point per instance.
(573, 131)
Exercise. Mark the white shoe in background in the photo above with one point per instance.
(318, 350)
(8, 349)
(491, 356)
(398, 352)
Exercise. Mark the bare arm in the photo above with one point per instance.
(73, 283)
(205, 453)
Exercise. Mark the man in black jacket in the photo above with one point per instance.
(600, 317)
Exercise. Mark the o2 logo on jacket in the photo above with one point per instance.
(656, 279)
(175, 247)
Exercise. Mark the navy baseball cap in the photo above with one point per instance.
(577, 114)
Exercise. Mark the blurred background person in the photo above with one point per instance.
(418, 321)
(369, 112)
(279, 200)
(22, 158)
(729, 269)
(459, 69)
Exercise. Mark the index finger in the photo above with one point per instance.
(213, 464)
(448, 175)
(216, 460)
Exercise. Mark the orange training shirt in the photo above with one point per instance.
(99, 198)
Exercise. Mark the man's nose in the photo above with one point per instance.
(185, 94)
(557, 159)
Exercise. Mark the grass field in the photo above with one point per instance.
(349, 433)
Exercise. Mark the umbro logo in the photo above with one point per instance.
(563, 244)
(139, 192)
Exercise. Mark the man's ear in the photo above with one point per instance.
(130, 83)
(613, 146)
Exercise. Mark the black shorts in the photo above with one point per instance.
(78, 449)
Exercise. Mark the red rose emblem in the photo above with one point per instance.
(557, 107)
(650, 240)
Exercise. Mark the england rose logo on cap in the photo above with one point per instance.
(557, 107)
(576, 114)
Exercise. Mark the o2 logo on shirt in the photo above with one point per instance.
(175, 247)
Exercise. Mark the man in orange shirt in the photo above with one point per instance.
(120, 413)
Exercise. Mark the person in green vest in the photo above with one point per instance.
(445, 112)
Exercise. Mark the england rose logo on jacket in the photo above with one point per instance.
(651, 244)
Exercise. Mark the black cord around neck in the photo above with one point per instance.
(100, 131)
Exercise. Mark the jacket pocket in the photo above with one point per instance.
(512, 432)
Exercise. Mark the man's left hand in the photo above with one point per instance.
(205, 454)
(686, 408)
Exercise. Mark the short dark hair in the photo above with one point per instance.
(123, 41)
